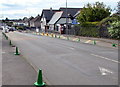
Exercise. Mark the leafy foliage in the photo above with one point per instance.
(95, 12)
(108, 20)
(9, 23)
(88, 29)
(118, 8)
(89, 24)
(114, 29)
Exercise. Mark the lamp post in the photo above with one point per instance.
(66, 18)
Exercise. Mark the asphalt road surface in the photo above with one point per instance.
(68, 63)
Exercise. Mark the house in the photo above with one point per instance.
(32, 22)
(53, 21)
(59, 19)
(46, 17)
(28, 21)
(19, 22)
(35, 22)
(25, 22)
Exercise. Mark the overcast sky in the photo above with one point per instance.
(15, 9)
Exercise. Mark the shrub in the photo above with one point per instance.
(89, 29)
(114, 29)
(20, 28)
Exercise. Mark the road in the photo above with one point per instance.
(68, 63)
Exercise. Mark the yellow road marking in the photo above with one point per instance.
(88, 41)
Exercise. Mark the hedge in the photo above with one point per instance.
(89, 29)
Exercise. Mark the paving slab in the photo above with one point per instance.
(0, 58)
(15, 69)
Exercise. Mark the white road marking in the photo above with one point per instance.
(105, 71)
(72, 48)
(106, 58)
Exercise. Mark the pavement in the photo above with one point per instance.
(15, 69)
(0, 58)
(66, 62)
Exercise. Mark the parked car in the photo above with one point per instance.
(20, 30)
(12, 29)
(5, 29)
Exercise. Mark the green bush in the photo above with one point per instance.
(89, 24)
(89, 31)
(108, 20)
(114, 29)
(20, 27)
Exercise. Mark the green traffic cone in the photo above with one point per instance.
(67, 38)
(7, 37)
(114, 45)
(94, 42)
(17, 53)
(39, 80)
(55, 36)
(59, 36)
(10, 43)
(78, 39)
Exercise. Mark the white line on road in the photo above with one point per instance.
(106, 58)
(105, 71)
(72, 48)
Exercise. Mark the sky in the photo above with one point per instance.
(16, 9)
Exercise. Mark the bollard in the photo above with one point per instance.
(52, 35)
(39, 80)
(42, 33)
(114, 45)
(46, 34)
(17, 53)
(94, 42)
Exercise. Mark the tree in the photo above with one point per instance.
(118, 8)
(95, 12)
(6, 19)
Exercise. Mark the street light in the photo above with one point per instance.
(66, 19)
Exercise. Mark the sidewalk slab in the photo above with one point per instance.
(0, 58)
(15, 69)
